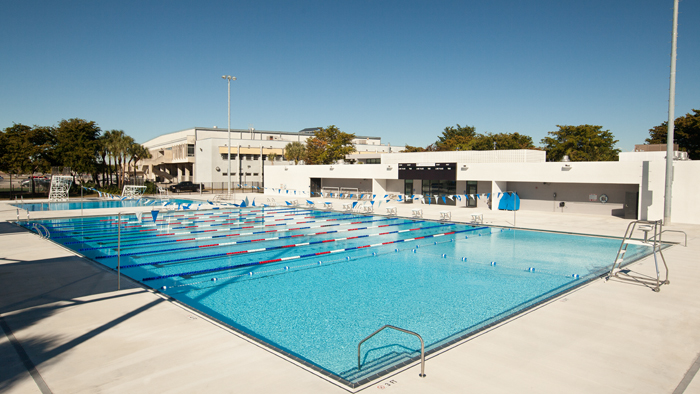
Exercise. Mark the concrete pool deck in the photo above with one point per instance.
(68, 329)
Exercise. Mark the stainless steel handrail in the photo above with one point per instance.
(41, 230)
(657, 226)
(422, 347)
(685, 241)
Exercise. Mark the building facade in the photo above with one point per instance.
(201, 155)
(632, 187)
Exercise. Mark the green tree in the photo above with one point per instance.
(295, 151)
(581, 143)
(686, 133)
(271, 158)
(502, 141)
(410, 148)
(121, 150)
(103, 152)
(328, 145)
(137, 152)
(3, 150)
(76, 145)
(26, 150)
(454, 138)
(112, 138)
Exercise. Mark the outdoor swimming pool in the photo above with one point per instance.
(95, 204)
(313, 284)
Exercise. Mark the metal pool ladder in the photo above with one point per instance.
(647, 226)
(422, 347)
(41, 230)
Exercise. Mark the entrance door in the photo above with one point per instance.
(408, 190)
(315, 186)
(471, 189)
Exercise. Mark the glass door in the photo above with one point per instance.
(471, 190)
(408, 190)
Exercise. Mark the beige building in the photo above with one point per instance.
(201, 154)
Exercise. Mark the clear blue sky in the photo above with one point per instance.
(400, 70)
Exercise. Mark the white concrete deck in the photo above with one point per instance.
(82, 335)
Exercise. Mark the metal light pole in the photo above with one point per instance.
(671, 119)
(229, 78)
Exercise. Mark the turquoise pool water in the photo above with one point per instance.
(314, 284)
(94, 204)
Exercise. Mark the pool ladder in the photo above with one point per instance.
(422, 347)
(41, 230)
(646, 226)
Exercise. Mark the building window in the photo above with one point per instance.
(432, 188)
(224, 156)
(256, 157)
(374, 161)
(190, 150)
(255, 174)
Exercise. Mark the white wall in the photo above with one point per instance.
(379, 186)
(395, 186)
(573, 185)
(487, 156)
(685, 201)
(204, 168)
(536, 196)
(496, 188)
(481, 188)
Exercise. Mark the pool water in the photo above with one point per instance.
(95, 204)
(313, 284)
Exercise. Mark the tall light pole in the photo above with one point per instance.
(671, 120)
(228, 147)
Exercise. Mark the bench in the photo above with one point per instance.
(417, 212)
(445, 215)
(477, 218)
(391, 211)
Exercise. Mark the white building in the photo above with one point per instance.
(200, 154)
(632, 187)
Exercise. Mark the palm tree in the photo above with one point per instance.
(102, 151)
(112, 138)
(272, 157)
(295, 151)
(122, 150)
(137, 152)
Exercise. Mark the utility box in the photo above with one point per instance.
(631, 199)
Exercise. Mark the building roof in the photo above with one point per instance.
(182, 134)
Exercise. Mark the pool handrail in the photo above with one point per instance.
(685, 241)
(40, 229)
(422, 346)
(649, 225)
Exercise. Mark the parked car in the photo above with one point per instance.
(186, 186)
(38, 182)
